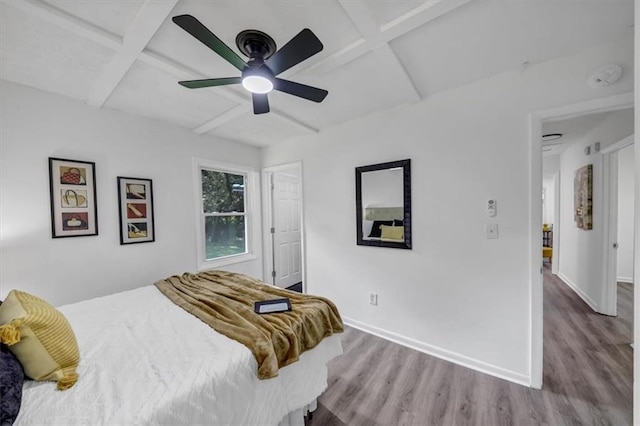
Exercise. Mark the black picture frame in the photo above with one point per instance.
(74, 204)
(406, 243)
(135, 210)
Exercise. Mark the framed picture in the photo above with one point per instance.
(74, 211)
(136, 210)
(583, 197)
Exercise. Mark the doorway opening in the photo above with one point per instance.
(586, 247)
(565, 219)
(283, 226)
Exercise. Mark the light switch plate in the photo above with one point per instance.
(491, 230)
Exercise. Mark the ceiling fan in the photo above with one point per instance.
(265, 62)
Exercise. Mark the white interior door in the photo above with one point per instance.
(287, 235)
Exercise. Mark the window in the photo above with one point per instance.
(224, 213)
(223, 207)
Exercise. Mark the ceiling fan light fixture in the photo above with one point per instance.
(551, 137)
(257, 84)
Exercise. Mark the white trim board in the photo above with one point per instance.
(628, 280)
(444, 354)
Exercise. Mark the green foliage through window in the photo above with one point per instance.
(223, 204)
(222, 192)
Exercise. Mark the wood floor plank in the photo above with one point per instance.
(587, 376)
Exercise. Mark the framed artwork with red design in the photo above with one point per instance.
(74, 208)
(136, 210)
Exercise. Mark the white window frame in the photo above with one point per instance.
(252, 212)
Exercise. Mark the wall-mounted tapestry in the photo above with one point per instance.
(583, 197)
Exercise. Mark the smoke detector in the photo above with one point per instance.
(605, 76)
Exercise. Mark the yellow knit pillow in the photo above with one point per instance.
(392, 232)
(40, 337)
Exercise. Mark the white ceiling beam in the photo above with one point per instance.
(147, 21)
(391, 59)
(367, 24)
(300, 124)
(337, 59)
(223, 118)
(362, 17)
(184, 73)
(244, 109)
(419, 16)
(77, 26)
(386, 33)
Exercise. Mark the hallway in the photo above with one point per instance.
(588, 359)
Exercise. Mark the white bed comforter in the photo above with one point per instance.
(146, 361)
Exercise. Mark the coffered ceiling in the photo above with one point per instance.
(129, 55)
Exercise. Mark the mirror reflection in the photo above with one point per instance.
(383, 204)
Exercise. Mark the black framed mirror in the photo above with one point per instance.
(383, 204)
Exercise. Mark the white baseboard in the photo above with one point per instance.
(444, 354)
(588, 300)
(625, 280)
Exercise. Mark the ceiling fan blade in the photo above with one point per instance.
(199, 31)
(301, 90)
(210, 82)
(303, 46)
(260, 103)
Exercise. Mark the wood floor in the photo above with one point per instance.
(587, 376)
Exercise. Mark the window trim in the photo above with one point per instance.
(252, 213)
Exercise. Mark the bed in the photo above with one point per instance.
(145, 360)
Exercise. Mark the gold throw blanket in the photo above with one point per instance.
(225, 301)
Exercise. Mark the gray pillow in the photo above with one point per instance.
(11, 379)
(375, 228)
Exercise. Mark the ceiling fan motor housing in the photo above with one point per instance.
(256, 45)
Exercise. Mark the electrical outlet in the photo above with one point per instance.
(373, 299)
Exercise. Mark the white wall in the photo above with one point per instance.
(581, 257)
(550, 164)
(548, 185)
(625, 214)
(550, 167)
(35, 125)
(455, 294)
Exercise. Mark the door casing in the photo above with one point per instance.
(610, 103)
